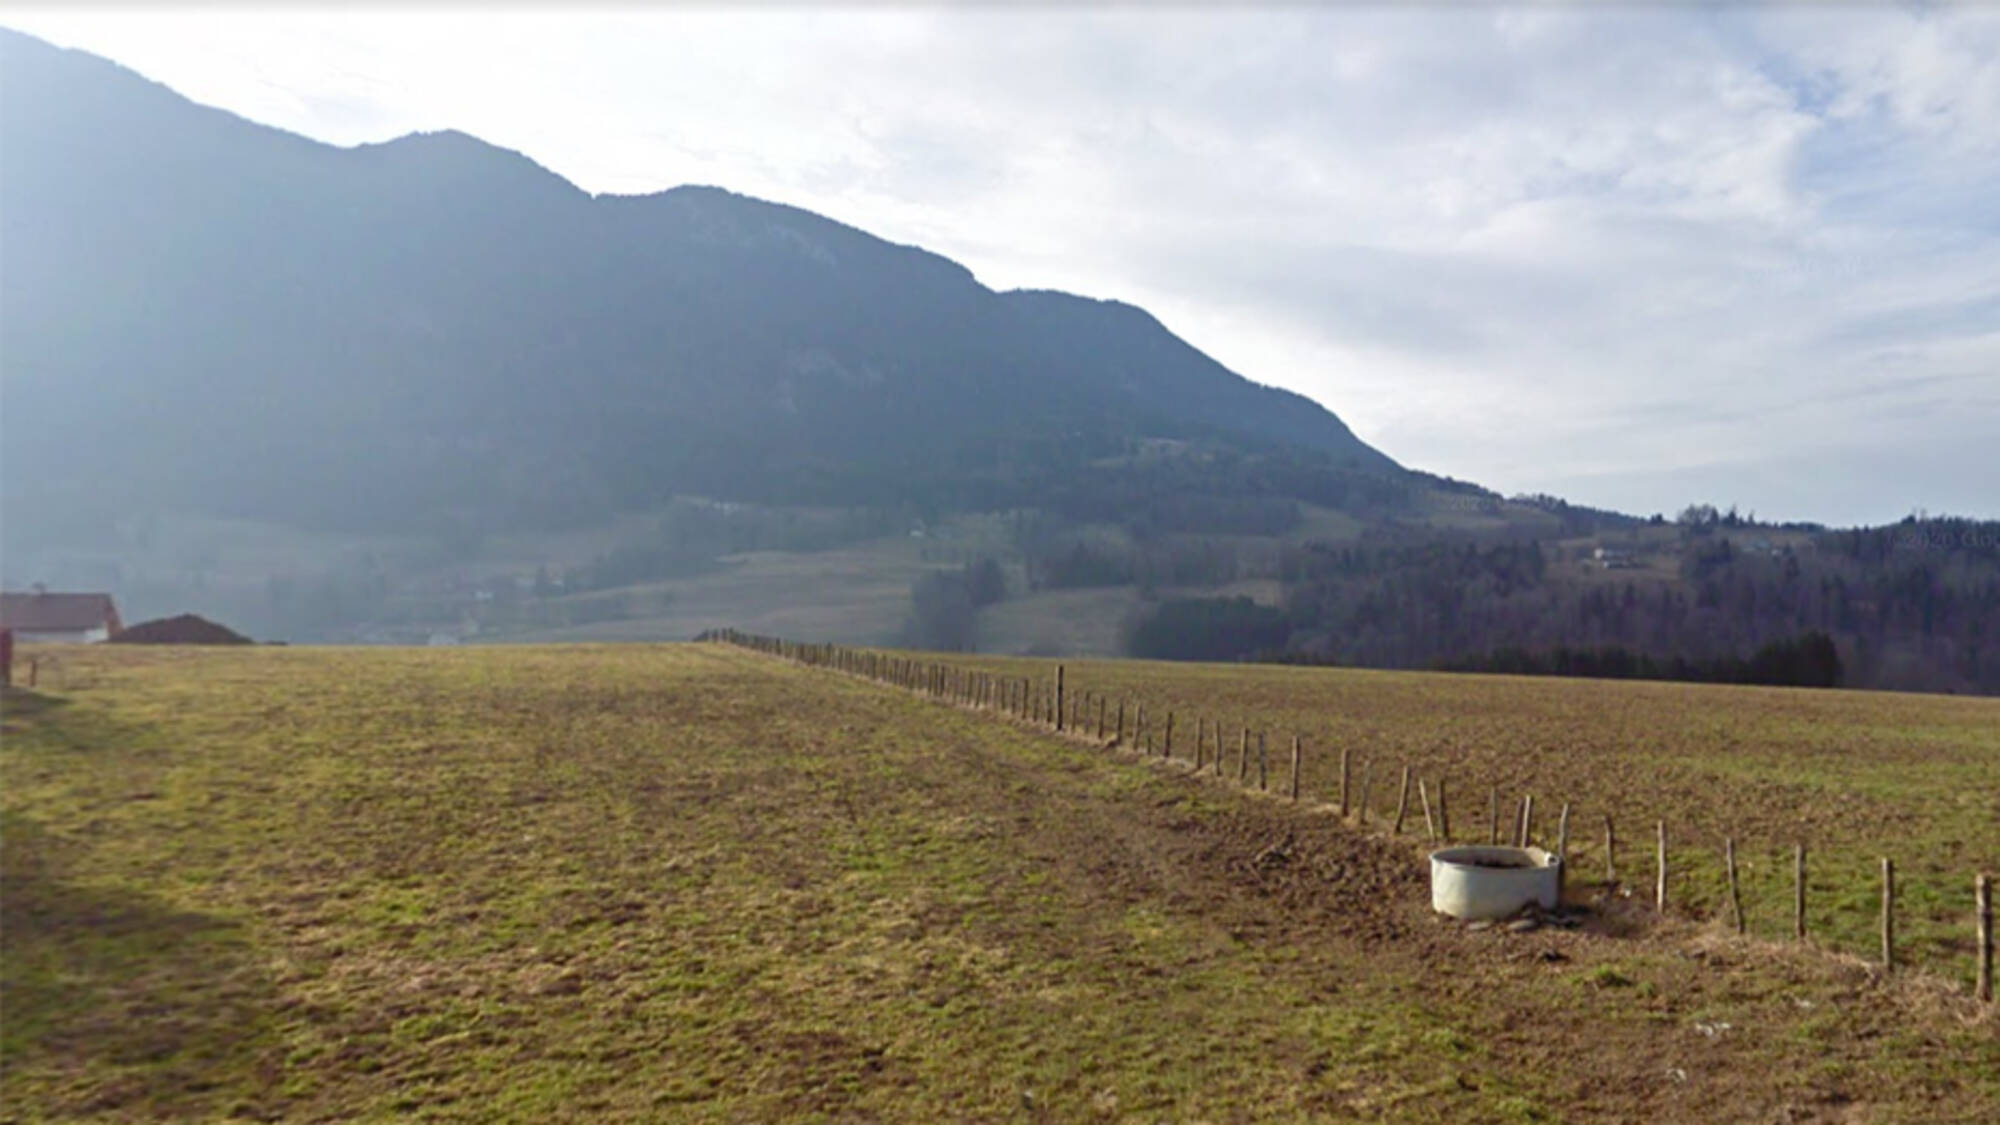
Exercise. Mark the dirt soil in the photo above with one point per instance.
(1851, 776)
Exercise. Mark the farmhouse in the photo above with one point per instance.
(1613, 558)
(37, 616)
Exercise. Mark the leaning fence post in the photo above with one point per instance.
(1430, 827)
(1402, 801)
(1527, 825)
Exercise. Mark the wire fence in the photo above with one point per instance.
(1240, 753)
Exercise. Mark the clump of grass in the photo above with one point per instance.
(1606, 976)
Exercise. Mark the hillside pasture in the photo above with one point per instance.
(699, 883)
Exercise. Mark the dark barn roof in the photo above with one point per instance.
(35, 612)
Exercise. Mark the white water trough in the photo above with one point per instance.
(1489, 881)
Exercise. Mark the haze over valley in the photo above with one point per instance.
(427, 390)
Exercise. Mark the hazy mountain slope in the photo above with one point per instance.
(203, 312)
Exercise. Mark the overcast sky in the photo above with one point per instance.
(1637, 258)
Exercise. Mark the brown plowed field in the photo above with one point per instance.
(696, 883)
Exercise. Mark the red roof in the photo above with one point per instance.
(57, 613)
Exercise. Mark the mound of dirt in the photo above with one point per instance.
(187, 629)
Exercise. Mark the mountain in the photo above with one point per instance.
(206, 314)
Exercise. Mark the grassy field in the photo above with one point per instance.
(1854, 776)
(690, 882)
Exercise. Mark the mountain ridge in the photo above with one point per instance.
(404, 320)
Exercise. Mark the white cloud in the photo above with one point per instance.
(1616, 254)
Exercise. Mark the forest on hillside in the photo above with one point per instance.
(1909, 606)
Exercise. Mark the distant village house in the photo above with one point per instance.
(39, 617)
(1613, 558)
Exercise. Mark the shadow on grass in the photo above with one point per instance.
(23, 703)
(36, 722)
(118, 1003)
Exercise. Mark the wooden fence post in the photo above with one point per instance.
(1660, 882)
(1263, 764)
(1345, 775)
(1367, 789)
(1735, 893)
(1295, 767)
(1888, 914)
(1430, 827)
(1610, 851)
(1199, 723)
(1403, 801)
(1167, 740)
(1493, 814)
(1243, 758)
(1799, 892)
(1059, 698)
(1444, 816)
(1982, 893)
(1100, 718)
(1562, 852)
(1525, 831)
(1121, 722)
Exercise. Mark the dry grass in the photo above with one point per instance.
(1853, 775)
(693, 883)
